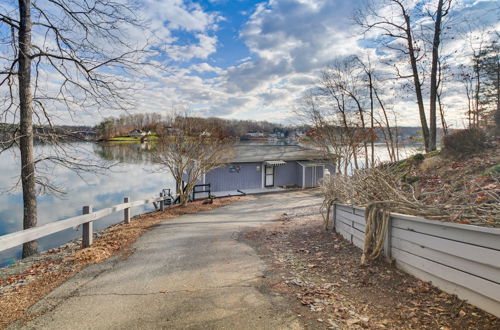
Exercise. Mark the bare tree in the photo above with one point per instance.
(398, 22)
(60, 54)
(189, 148)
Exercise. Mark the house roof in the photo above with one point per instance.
(260, 153)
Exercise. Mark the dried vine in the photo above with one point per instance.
(382, 191)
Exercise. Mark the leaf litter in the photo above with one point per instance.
(321, 272)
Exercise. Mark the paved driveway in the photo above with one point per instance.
(186, 273)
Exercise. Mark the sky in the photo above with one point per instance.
(243, 59)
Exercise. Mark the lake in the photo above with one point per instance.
(133, 175)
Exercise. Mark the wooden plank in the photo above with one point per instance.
(350, 207)
(474, 298)
(14, 239)
(146, 201)
(360, 224)
(468, 266)
(486, 237)
(359, 227)
(358, 242)
(351, 217)
(344, 231)
(466, 251)
(474, 283)
(348, 221)
(342, 207)
(352, 231)
(359, 212)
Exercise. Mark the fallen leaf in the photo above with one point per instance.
(352, 321)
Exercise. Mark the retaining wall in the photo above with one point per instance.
(459, 259)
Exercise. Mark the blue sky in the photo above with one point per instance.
(256, 59)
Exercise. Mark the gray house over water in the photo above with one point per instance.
(262, 168)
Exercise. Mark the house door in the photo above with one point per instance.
(269, 176)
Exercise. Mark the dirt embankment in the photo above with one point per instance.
(23, 284)
(322, 272)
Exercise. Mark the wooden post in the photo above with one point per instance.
(388, 241)
(126, 212)
(334, 216)
(162, 203)
(352, 226)
(87, 234)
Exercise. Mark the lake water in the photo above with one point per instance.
(134, 176)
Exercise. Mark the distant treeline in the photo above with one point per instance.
(10, 132)
(122, 126)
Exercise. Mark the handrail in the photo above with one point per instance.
(27, 235)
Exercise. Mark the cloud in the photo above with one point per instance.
(205, 47)
(289, 42)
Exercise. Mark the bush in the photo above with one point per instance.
(467, 141)
(418, 158)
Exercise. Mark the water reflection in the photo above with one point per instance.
(133, 153)
(133, 176)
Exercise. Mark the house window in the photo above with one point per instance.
(234, 168)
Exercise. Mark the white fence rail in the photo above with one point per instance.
(459, 259)
(20, 237)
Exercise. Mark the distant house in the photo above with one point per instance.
(137, 133)
(255, 134)
(206, 133)
(298, 134)
(268, 167)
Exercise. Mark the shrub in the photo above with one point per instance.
(418, 158)
(494, 170)
(467, 141)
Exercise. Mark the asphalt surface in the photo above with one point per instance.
(191, 272)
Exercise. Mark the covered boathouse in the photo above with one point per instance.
(266, 168)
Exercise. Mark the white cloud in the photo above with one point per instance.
(290, 42)
(205, 47)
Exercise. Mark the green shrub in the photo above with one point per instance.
(494, 170)
(464, 142)
(418, 158)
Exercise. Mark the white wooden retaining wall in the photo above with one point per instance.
(459, 259)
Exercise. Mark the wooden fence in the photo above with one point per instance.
(459, 259)
(15, 239)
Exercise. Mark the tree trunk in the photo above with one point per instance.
(26, 125)
(416, 81)
(372, 142)
(387, 124)
(434, 72)
(476, 94)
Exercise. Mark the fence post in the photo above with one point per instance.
(352, 225)
(334, 217)
(162, 202)
(126, 211)
(87, 234)
(388, 240)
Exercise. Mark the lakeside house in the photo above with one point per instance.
(265, 168)
(256, 134)
(136, 133)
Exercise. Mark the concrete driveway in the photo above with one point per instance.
(187, 273)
